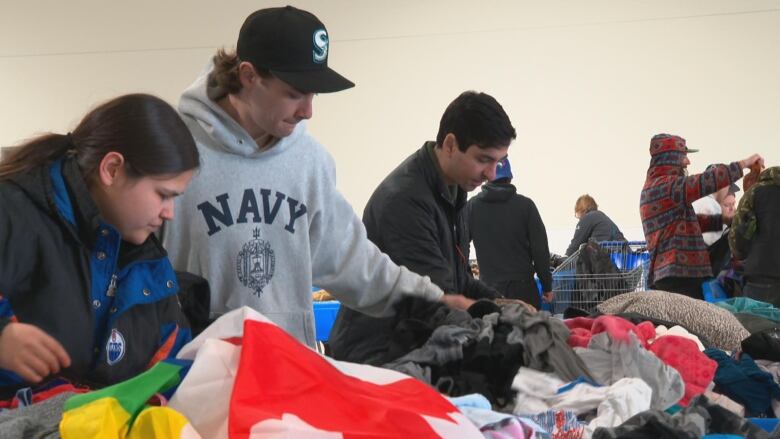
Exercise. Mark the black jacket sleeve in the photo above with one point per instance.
(17, 254)
(581, 234)
(409, 236)
(540, 251)
(476, 289)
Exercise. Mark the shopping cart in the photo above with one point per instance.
(574, 285)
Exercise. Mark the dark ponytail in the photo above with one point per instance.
(144, 129)
(36, 152)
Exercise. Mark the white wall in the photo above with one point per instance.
(585, 83)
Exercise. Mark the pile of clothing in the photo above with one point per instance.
(646, 371)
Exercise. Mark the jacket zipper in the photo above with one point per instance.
(111, 291)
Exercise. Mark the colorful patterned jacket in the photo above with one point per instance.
(672, 229)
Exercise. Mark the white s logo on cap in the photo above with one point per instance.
(320, 51)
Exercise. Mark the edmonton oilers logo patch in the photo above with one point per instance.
(256, 263)
(115, 347)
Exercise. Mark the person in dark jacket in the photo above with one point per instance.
(86, 290)
(755, 237)
(679, 261)
(593, 224)
(510, 239)
(415, 217)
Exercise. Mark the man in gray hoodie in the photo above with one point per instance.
(263, 220)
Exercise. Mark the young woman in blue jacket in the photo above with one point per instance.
(86, 290)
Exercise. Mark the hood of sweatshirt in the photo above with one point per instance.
(196, 105)
(497, 193)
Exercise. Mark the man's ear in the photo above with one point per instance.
(111, 168)
(246, 73)
(450, 144)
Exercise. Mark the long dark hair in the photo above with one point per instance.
(143, 128)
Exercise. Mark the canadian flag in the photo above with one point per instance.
(250, 379)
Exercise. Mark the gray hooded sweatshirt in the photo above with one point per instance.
(264, 226)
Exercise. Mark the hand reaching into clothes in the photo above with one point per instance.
(548, 297)
(457, 301)
(30, 352)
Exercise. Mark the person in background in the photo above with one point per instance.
(510, 239)
(263, 220)
(722, 203)
(679, 261)
(86, 289)
(755, 237)
(592, 224)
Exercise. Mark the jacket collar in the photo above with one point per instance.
(434, 179)
(60, 190)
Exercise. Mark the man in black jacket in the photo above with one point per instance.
(755, 237)
(414, 217)
(510, 239)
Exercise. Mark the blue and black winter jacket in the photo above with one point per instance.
(111, 304)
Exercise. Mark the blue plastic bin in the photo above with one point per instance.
(712, 291)
(768, 424)
(324, 317)
(627, 261)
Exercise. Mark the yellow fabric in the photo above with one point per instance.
(104, 418)
(158, 422)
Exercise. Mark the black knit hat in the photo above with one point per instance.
(293, 45)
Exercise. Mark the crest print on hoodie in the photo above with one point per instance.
(255, 263)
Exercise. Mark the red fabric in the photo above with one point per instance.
(752, 177)
(583, 328)
(579, 331)
(696, 369)
(297, 381)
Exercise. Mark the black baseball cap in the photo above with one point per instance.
(293, 45)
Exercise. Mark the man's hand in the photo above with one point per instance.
(750, 161)
(548, 297)
(457, 301)
(31, 353)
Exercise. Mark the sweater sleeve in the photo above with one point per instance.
(581, 234)
(708, 182)
(540, 251)
(353, 269)
(710, 223)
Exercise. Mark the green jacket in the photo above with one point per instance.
(745, 226)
